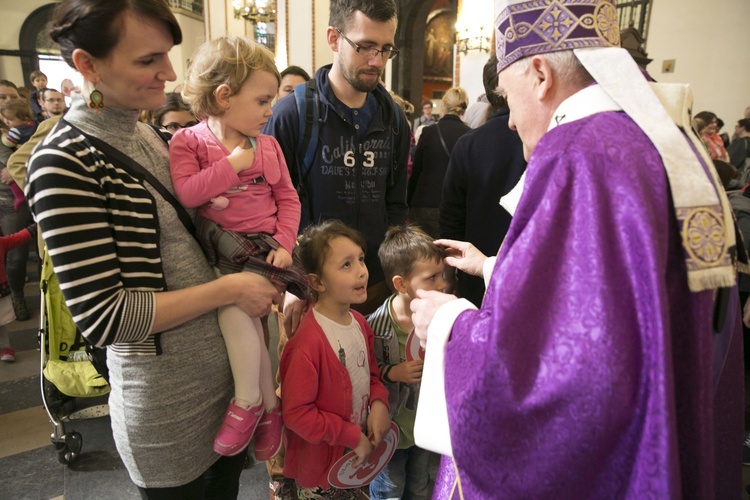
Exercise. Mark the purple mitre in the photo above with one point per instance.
(542, 26)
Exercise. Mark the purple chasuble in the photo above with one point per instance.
(587, 372)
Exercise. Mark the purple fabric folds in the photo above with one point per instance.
(587, 373)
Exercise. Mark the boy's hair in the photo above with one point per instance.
(402, 247)
(36, 74)
(20, 109)
(341, 11)
(316, 240)
(744, 123)
(227, 60)
(295, 70)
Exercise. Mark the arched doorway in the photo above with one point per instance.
(408, 71)
(39, 52)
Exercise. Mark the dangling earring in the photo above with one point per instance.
(96, 100)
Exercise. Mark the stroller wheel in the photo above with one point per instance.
(71, 449)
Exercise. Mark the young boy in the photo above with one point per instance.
(411, 262)
(39, 81)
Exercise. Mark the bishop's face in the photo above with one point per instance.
(529, 115)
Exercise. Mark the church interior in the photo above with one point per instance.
(442, 44)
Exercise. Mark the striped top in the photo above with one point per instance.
(101, 229)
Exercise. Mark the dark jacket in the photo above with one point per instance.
(431, 161)
(485, 165)
(350, 179)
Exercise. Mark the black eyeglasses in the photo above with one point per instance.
(370, 52)
(174, 126)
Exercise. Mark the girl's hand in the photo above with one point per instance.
(378, 422)
(280, 258)
(363, 450)
(241, 159)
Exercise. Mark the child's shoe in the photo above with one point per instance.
(268, 435)
(237, 429)
(8, 355)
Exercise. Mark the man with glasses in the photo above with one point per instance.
(52, 102)
(358, 173)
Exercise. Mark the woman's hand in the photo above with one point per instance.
(463, 256)
(251, 292)
(280, 258)
(255, 294)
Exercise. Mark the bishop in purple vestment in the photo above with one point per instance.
(595, 367)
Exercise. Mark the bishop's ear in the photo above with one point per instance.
(544, 77)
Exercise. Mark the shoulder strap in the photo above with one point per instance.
(306, 96)
(141, 173)
(442, 140)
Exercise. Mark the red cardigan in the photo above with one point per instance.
(316, 402)
(8, 243)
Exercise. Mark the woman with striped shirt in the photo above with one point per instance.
(132, 275)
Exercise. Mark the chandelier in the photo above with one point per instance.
(472, 39)
(474, 27)
(256, 11)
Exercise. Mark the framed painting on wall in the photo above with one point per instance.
(439, 39)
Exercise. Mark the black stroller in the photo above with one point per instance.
(69, 369)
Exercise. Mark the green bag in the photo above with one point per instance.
(72, 378)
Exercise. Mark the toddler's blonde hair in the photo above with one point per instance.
(227, 60)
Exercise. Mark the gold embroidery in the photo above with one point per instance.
(606, 23)
(703, 236)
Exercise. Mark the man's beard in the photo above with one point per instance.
(358, 84)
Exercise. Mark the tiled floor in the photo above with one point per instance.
(28, 461)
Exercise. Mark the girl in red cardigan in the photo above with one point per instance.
(329, 374)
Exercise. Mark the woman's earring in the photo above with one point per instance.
(96, 100)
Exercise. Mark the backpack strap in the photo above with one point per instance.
(306, 96)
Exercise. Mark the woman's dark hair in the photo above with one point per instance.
(175, 102)
(706, 116)
(295, 70)
(95, 25)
